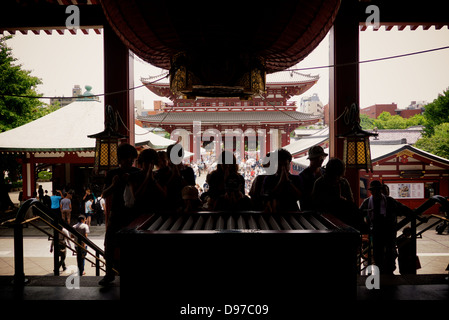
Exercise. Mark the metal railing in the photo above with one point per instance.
(42, 213)
(365, 256)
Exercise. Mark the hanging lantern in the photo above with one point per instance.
(356, 147)
(106, 145)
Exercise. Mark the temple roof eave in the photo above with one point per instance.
(159, 86)
(246, 124)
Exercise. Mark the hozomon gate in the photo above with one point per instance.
(267, 119)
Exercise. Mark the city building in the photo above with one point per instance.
(311, 104)
(415, 107)
(375, 110)
(76, 92)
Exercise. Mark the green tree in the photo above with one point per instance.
(437, 112)
(15, 110)
(386, 121)
(366, 122)
(438, 142)
(14, 81)
(416, 120)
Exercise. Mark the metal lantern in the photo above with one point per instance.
(356, 150)
(106, 145)
(356, 147)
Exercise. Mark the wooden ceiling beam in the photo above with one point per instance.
(47, 17)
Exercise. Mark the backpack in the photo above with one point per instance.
(97, 206)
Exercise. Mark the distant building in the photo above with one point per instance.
(76, 92)
(375, 110)
(408, 113)
(311, 104)
(415, 107)
(158, 107)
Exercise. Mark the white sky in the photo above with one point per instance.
(62, 61)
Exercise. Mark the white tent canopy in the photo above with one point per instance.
(67, 128)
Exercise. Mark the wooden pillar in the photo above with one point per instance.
(344, 81)
(28, 177)
(242, 146)
(119, 77)
(267, 140)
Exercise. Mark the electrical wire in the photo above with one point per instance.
(289, 70)
(75, 97)
(371, 60)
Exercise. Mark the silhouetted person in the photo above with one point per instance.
(47, 199)
(40, 192)
(282, 188)
(309, 175)
(332, 194)
(176, 177)
(380, 214)
(233, 199)
(117, 214)
(190, 197)
(227, 168)
(149, 195)
(407, 259)
(81, 250)
(63, 244)
(256, 192)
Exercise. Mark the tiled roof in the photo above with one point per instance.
(303, 144)
(229, 117)
(280, 77)
(288, 76)
(410, 134)
(379, 152)
(66, 129)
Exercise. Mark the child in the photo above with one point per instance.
(63, 244)
(408, 260)
(81, 250)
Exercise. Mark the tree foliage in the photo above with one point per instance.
(437, 112)
(14, 81)
(16, 111)
(386, 121)
(438, 142)
(436, 133)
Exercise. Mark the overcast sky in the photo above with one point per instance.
(62, 61)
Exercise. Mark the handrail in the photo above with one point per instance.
(69, 238)
(31, 221)
(44, 212)
(424, 207)
(412, 217)
(48, 217)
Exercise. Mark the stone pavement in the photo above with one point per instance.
(37, 257)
